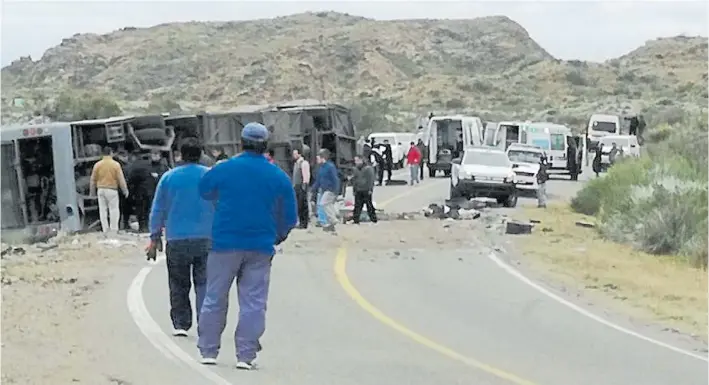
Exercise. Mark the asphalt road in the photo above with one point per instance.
(423, 317)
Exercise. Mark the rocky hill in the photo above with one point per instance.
(396, 69)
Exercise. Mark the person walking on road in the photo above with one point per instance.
(106, 178)
(413, 159)
(187, 219)
(301, 183)
(424, 155)
(363, 187)
(328, 183)
(597, 160)
(542, 178)
(388, 155)
(255, 210)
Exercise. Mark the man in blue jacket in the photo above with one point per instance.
(327, 184)
(255, 210)
(187, 219)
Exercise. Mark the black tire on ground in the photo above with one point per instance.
(148, 121)
(510, 200)
(431, 172)
(447, 173)
(154, 136)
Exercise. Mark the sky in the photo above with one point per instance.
(580, 30)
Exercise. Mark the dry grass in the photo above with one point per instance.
(664, 289)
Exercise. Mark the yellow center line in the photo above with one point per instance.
(343, 279)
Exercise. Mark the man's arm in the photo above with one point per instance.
(305, 169)
(208, 183)
(335, 179)
(316, 183)
(92, 183)
(158, 211)
(121, 180)
(287, 210)
(369, 174)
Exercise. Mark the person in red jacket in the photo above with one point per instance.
(413, 159)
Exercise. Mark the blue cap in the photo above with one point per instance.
(256, 132)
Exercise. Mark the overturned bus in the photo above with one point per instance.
(46, 170)
(292, 125)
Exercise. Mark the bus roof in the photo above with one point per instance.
(43, 126)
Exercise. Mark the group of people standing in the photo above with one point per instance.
(124, 185)
(384, 162)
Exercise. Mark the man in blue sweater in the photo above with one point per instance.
(327, 186)
(255, 210)
(187, 219)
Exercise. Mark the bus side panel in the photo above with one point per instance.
(67, 198)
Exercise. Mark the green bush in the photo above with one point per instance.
(657, 202)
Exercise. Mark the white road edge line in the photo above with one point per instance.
(155, 335)
(517, 274)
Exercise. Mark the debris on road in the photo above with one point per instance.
(516, 227)
(585, 224)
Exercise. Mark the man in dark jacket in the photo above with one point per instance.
(143, 178)
(377, 162)
(542, 178)
(388, 156)
(366, 149)
(362, 187)
(424, 155)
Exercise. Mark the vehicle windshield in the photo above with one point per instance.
(619, 142)
(486, 158)
(541, 142)
(524, 156)
(604, 126)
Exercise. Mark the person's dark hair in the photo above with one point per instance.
(413, 144)
(191, 150)
(324, 153)
(272, 152)
(107, 150)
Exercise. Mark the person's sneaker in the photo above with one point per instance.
(179, 333)
(208, 361)
(243, 365)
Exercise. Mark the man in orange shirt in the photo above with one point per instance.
(106, 178)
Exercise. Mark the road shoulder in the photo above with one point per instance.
(654, 290)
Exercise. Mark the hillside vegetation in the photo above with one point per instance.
(393, 70)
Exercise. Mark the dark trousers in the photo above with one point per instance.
(186, 265)
(421, 171)
(301, 198)
(142, 201)
(126, 207)
(389, 167)
(380, 174)
(363, 198)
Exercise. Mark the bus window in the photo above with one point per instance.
(558, 142)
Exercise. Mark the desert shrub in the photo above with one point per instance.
(658, 202)
(70, 106)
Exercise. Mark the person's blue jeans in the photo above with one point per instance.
(252, 271)
(322, 217)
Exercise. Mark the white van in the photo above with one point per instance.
(447, 137)
(553, 139)
(599, 126)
